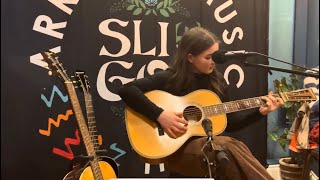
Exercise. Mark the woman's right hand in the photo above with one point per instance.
(173, 124)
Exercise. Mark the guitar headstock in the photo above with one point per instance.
(54, 65)
(301, 95)
(82, 80)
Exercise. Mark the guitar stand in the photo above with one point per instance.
(80, 163)
(101, 151)
(90, 158)
(218, 156)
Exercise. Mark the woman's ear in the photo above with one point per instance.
(190, 58)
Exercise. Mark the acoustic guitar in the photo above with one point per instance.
(98, 170)
(83, 82)
(150, 141)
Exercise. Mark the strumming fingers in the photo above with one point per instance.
(171, 134)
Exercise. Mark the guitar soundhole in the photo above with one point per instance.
(192, 113)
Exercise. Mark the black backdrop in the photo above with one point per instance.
(103, 39)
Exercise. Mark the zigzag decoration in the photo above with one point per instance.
(67, 141)
(56, 123)
(120, 151)
(55, 89)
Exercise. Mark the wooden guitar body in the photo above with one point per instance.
(149, 140)
(108, 166)
(144, 135)
(106, 170)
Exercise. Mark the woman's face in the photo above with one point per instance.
(203, 63)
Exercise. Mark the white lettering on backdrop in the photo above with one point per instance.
(50, 29)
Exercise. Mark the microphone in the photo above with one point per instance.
(221, 56)
(207, 126)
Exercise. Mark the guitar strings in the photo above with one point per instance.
(92, 123)
(224, 107)
(232, 105)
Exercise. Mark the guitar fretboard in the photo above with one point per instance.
(84, 131)
(91, 120)
(233, 106)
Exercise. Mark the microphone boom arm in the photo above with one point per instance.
(281, 69)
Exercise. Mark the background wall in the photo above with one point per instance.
(281, 36)
(293, 38)
(114, 42)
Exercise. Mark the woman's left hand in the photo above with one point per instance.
(272, 103)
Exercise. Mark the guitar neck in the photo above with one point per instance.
(91, 120)
(239, 105)
(233, 106)
(84, 130)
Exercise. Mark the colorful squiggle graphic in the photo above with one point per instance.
(99, 140)
(122, 152)
(55, 89)
(69, 155)
(55, 123)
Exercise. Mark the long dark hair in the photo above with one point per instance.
(194, 41)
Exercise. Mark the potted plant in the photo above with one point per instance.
(290, 167)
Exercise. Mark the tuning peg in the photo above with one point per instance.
(50, 73)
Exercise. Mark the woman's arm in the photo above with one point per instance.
(133, 94)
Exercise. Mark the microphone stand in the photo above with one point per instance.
(281, 69)
(218, 156)
(316, 74)
(209, 164)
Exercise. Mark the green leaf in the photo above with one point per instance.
(283, 88)
(142, 4)
(136, 2)
(290, 87)
(284, 81)
(294, 80)
(165, 4)
(283, 144)
(154, 12)
(297, 105)
(164, 13)
(137, 11)
(170, 2)
(171, 10)
(174, 3)
(276, 84)
(283, 136)
(148, 12)
(132, 1)
(291, 114)
(273, 136)
(159, 5)
(287, 105)
(129, 8)
(276, 81)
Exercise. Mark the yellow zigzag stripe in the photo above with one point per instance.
(56, 123)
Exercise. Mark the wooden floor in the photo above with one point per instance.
(274, 171)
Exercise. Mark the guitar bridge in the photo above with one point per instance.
(160, 130)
